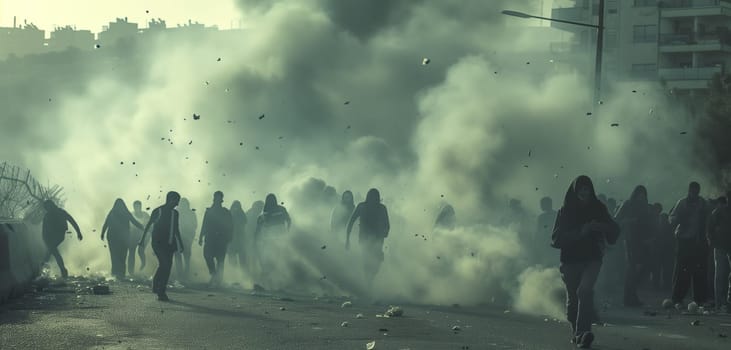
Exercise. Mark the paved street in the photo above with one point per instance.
(131, 318)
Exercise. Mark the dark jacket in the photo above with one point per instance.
(719, 228)
(166, 229)
(689, 219)
(217, 224)
(577, 246)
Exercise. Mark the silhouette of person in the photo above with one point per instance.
(250, 245)
(636, 220)
(188, 226)
(583, 227)
(341, 213)
(116, 227)
(135, 236)
(719, 238)
(273, 222)
(446, 219)
(217, 232)
(544, 229)
(237, 248)
(55, 224)
(612, 206)
(688, 219)
(166, 241)
(374, 226)
(666, 250)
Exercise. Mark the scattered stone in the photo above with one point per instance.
(346, 304)
(371, 345)
(344, 324)
(282, 308)
(695, 323)
(693, 307)
(359, 316)
(425, 61)
(456, 328)
(383, 329)
(394, 311)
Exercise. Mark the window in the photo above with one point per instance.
(645, 33)
(644, 70)
(645, 3)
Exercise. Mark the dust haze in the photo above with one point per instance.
(319, 95)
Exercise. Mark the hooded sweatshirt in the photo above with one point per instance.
(577, 247)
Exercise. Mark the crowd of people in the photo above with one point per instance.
(687, 248)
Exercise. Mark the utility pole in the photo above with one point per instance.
(599, 50)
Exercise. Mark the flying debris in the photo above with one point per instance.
(241, 143)
(219, 59)
(634, 91)
(615, 124)
(346, 103)
(262, 116)
(527, 62)
(588, 113)
(683, 132)
(323, 247)
(191, 142)
(196, 116)
(97, 46)
(425, 61)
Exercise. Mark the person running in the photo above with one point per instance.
(55, 224)
(688, 218)
(135, 236)
(237, 248)
(188, 227)
(165, 241)
(217, 232)
(374, 227)
(583, 226)
(271, 227)
(341, 213)
(636, 220)
(116, 228)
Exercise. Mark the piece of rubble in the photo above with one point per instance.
(695, 323)
(346, 304)
(394, 311)
(371, 345)
(344, 324)
(282, 308)
(359, 316)
(100, 290)
(693, 307)
(456, 328)
(425, 61)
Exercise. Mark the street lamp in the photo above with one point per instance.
(599, 40)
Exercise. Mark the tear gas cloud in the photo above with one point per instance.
(476, 126)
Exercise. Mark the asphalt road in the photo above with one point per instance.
(67, 317)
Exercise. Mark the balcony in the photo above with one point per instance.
(695, 42)
(688, 78)
(695, 8)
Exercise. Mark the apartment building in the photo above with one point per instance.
(681, 43)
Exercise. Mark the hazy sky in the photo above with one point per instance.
(93, 14)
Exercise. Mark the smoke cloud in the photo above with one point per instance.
(315, 97)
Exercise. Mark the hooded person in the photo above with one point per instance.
(135, 236)
(341, 213)
(719, 238)
(217, 231)
(636, 221)
(188, 227)
(271, 228)
(237, 248)
(116, 228)
(583, 227)
(688, 219)
(446, 219)
(165, 241)
(55, 224)
(666, 251)
(373, 228)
